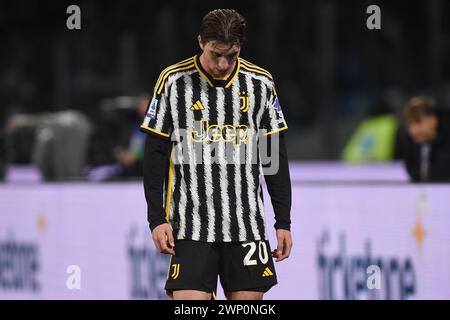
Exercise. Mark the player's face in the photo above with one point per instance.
(424, 130)
(219, 58)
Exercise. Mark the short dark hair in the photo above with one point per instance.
(223, 25)
(419, 106)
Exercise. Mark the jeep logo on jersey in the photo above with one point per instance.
(152, 109)
(203, 131)
(245, 104)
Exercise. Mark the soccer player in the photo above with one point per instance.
(208, 119)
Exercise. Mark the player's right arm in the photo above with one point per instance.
(158, 125)
(156, 159)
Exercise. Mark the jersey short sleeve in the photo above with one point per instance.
(158, 119)
(272, 120)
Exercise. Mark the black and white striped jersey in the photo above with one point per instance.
(213, 191)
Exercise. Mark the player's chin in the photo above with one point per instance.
(220, 74)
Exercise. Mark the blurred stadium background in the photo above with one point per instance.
(70, 156)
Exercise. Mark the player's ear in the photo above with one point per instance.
(199, 38)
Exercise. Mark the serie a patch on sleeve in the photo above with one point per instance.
(277, 107)
(152, 108)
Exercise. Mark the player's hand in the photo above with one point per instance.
(163, 238)
(284, 246)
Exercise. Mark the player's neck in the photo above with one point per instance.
(206, 68)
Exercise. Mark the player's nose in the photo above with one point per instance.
(223, 64)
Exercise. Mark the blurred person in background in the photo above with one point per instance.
(375, 138)
(123, 144)
(130, 158)
(425, 146)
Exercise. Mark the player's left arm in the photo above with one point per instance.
(279, 184)
(279, 188)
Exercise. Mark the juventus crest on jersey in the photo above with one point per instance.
(213, 191)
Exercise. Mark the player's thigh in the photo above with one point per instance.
(247, 268)
(193, 269)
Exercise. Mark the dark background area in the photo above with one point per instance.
(329, 68)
